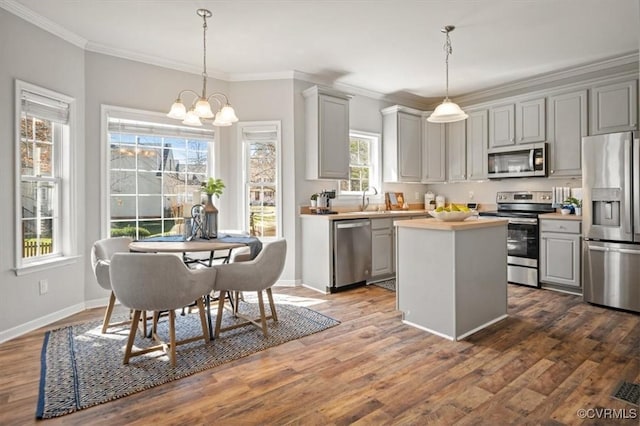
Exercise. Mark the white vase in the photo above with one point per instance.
(314, 203)
(578, 211)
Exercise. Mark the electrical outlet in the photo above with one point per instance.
(416, 195)
(471, 194)
(44, 286)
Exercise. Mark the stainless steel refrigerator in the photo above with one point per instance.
(611, 220)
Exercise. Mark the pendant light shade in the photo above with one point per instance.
(447, 111)
(201, 107)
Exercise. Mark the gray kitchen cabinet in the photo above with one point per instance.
(567, 125)
(326, 133)
(560, 251)
(477, 145)
(531, 121)
(433, 152)
(402, 144)
(381, 248)
(614, 107)
(520, 122)
(456, 151)
(501, 125)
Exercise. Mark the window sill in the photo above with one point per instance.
(45, 264)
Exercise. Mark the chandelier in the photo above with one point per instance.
(447, 111)
(201, 106)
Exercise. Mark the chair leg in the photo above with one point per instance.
(132, 336)
(203, 320)
(107, 314)
(172, 337)
(144, 323)
(263, 319)
(220, 311)
(272, 305)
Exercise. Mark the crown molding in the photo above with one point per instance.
(40, 21)
(610, 65)
(152, 60)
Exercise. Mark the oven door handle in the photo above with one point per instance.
(523, 221)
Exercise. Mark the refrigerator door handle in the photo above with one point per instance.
(628, 192)
(636, 188)
(613, 250)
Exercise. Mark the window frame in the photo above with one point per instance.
(244, 208)
(108, 111)
(65, 176)
(375, 152)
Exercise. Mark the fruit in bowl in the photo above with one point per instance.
(452, 213)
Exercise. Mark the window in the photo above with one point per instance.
(153, 170)
(261, 176)
(43, 130)
(363, 164)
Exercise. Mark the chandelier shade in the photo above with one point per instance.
(447, 111)
(201, 107)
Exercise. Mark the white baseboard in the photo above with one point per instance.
(40, 322)
(98, 303)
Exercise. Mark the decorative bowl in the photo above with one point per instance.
(450, 216)
(565, 211)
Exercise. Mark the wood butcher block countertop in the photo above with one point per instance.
(435, 224)
(367, 214)
(560, 216)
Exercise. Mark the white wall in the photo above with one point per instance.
(264, 101)
(35, 56)
(485, 192)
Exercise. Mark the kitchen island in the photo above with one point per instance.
(451, 276)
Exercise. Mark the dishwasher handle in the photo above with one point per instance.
(352, 224)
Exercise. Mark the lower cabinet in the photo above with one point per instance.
(560, 251)
(381, 248)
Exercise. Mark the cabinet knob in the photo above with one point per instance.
(521, 138)
(551, 171)
(511, 140)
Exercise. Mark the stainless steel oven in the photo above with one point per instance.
(522, 209)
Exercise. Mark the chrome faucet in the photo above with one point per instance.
(365, 204)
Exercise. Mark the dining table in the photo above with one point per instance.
(178, 244)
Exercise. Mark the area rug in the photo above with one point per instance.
(80, 367)
(388, 284)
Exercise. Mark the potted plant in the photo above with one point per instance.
(212, 187)
(314, 200)
(575, 203)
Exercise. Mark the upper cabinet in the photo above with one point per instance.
(501, 125)
(402, 144)
(456, 151)
(477, 144)
(614, 107)
(326, 133)
(567, 125)
(520, 122)
(433, 152)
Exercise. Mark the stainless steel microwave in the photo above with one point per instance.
(518, 161)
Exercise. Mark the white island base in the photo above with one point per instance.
(452, 276)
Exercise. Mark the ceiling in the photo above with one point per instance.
(392, 47)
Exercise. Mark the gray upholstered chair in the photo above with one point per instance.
(159, 282)
(256, 275)
(101, 254)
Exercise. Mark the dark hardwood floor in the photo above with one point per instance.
(553, 356)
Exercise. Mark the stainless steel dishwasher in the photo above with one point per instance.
(351, 252)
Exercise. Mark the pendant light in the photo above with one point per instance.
(201, 107)
(447, 111)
